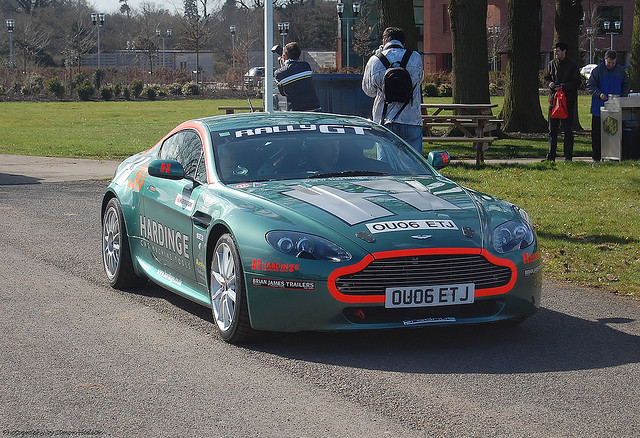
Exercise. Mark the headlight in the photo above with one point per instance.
(306, 246)
(511, 236)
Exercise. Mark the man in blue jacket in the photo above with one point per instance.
(606, 79)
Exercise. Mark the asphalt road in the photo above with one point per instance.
(81, 359)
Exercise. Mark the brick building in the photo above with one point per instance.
(433, 25)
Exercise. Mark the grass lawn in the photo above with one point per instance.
(110, 130)
(586, 214)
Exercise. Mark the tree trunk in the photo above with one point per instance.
(634, 70)
(398, 13)
(521, 111)
(568, 16)
(470, 75)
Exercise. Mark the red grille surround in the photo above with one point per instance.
(364, 282)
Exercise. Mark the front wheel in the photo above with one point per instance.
(116, 255)
(228, 293)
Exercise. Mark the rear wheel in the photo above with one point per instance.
(116, 256)
(228, 293)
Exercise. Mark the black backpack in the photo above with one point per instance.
(396, 83)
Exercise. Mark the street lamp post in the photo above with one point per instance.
(232, 29)
(607, 26)
(98, 19)
(590, 35)
(283, 29)
(10, 25)
(494, 33)
(163, 37)
(356, 11)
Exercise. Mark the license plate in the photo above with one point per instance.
(426, 296)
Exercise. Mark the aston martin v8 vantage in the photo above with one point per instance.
(309, 221)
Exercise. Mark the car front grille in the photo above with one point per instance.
(424, 270)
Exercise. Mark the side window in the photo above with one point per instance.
(192, 156)
(169, 149)
(185, 147)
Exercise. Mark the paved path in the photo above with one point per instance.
(21, 169)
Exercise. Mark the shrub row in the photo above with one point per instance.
(86, 89)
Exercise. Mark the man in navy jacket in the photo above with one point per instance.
(609, 78)
(562, 72)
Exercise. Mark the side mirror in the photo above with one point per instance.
(168, 169)
(439, 159)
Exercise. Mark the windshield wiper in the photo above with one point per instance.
(348, 173)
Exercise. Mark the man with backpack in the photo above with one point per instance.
(393, 76)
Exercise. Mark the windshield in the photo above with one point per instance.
(312, 151)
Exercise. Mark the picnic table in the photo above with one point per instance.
(472, 120)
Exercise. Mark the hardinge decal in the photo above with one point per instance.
(530, 258)
(165, 242)
(259, 265)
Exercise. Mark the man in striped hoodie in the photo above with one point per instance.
(295, 82)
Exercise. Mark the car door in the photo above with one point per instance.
(168, 206)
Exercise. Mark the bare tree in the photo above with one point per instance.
(79, 40)
(195, 29)
(32, 41)
(365, 39)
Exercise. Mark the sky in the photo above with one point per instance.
(112, 6)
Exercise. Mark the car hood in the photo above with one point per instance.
(379, 214)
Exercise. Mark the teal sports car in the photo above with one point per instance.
(308, 221)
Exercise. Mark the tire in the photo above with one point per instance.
(116, 256)
(228, 293)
